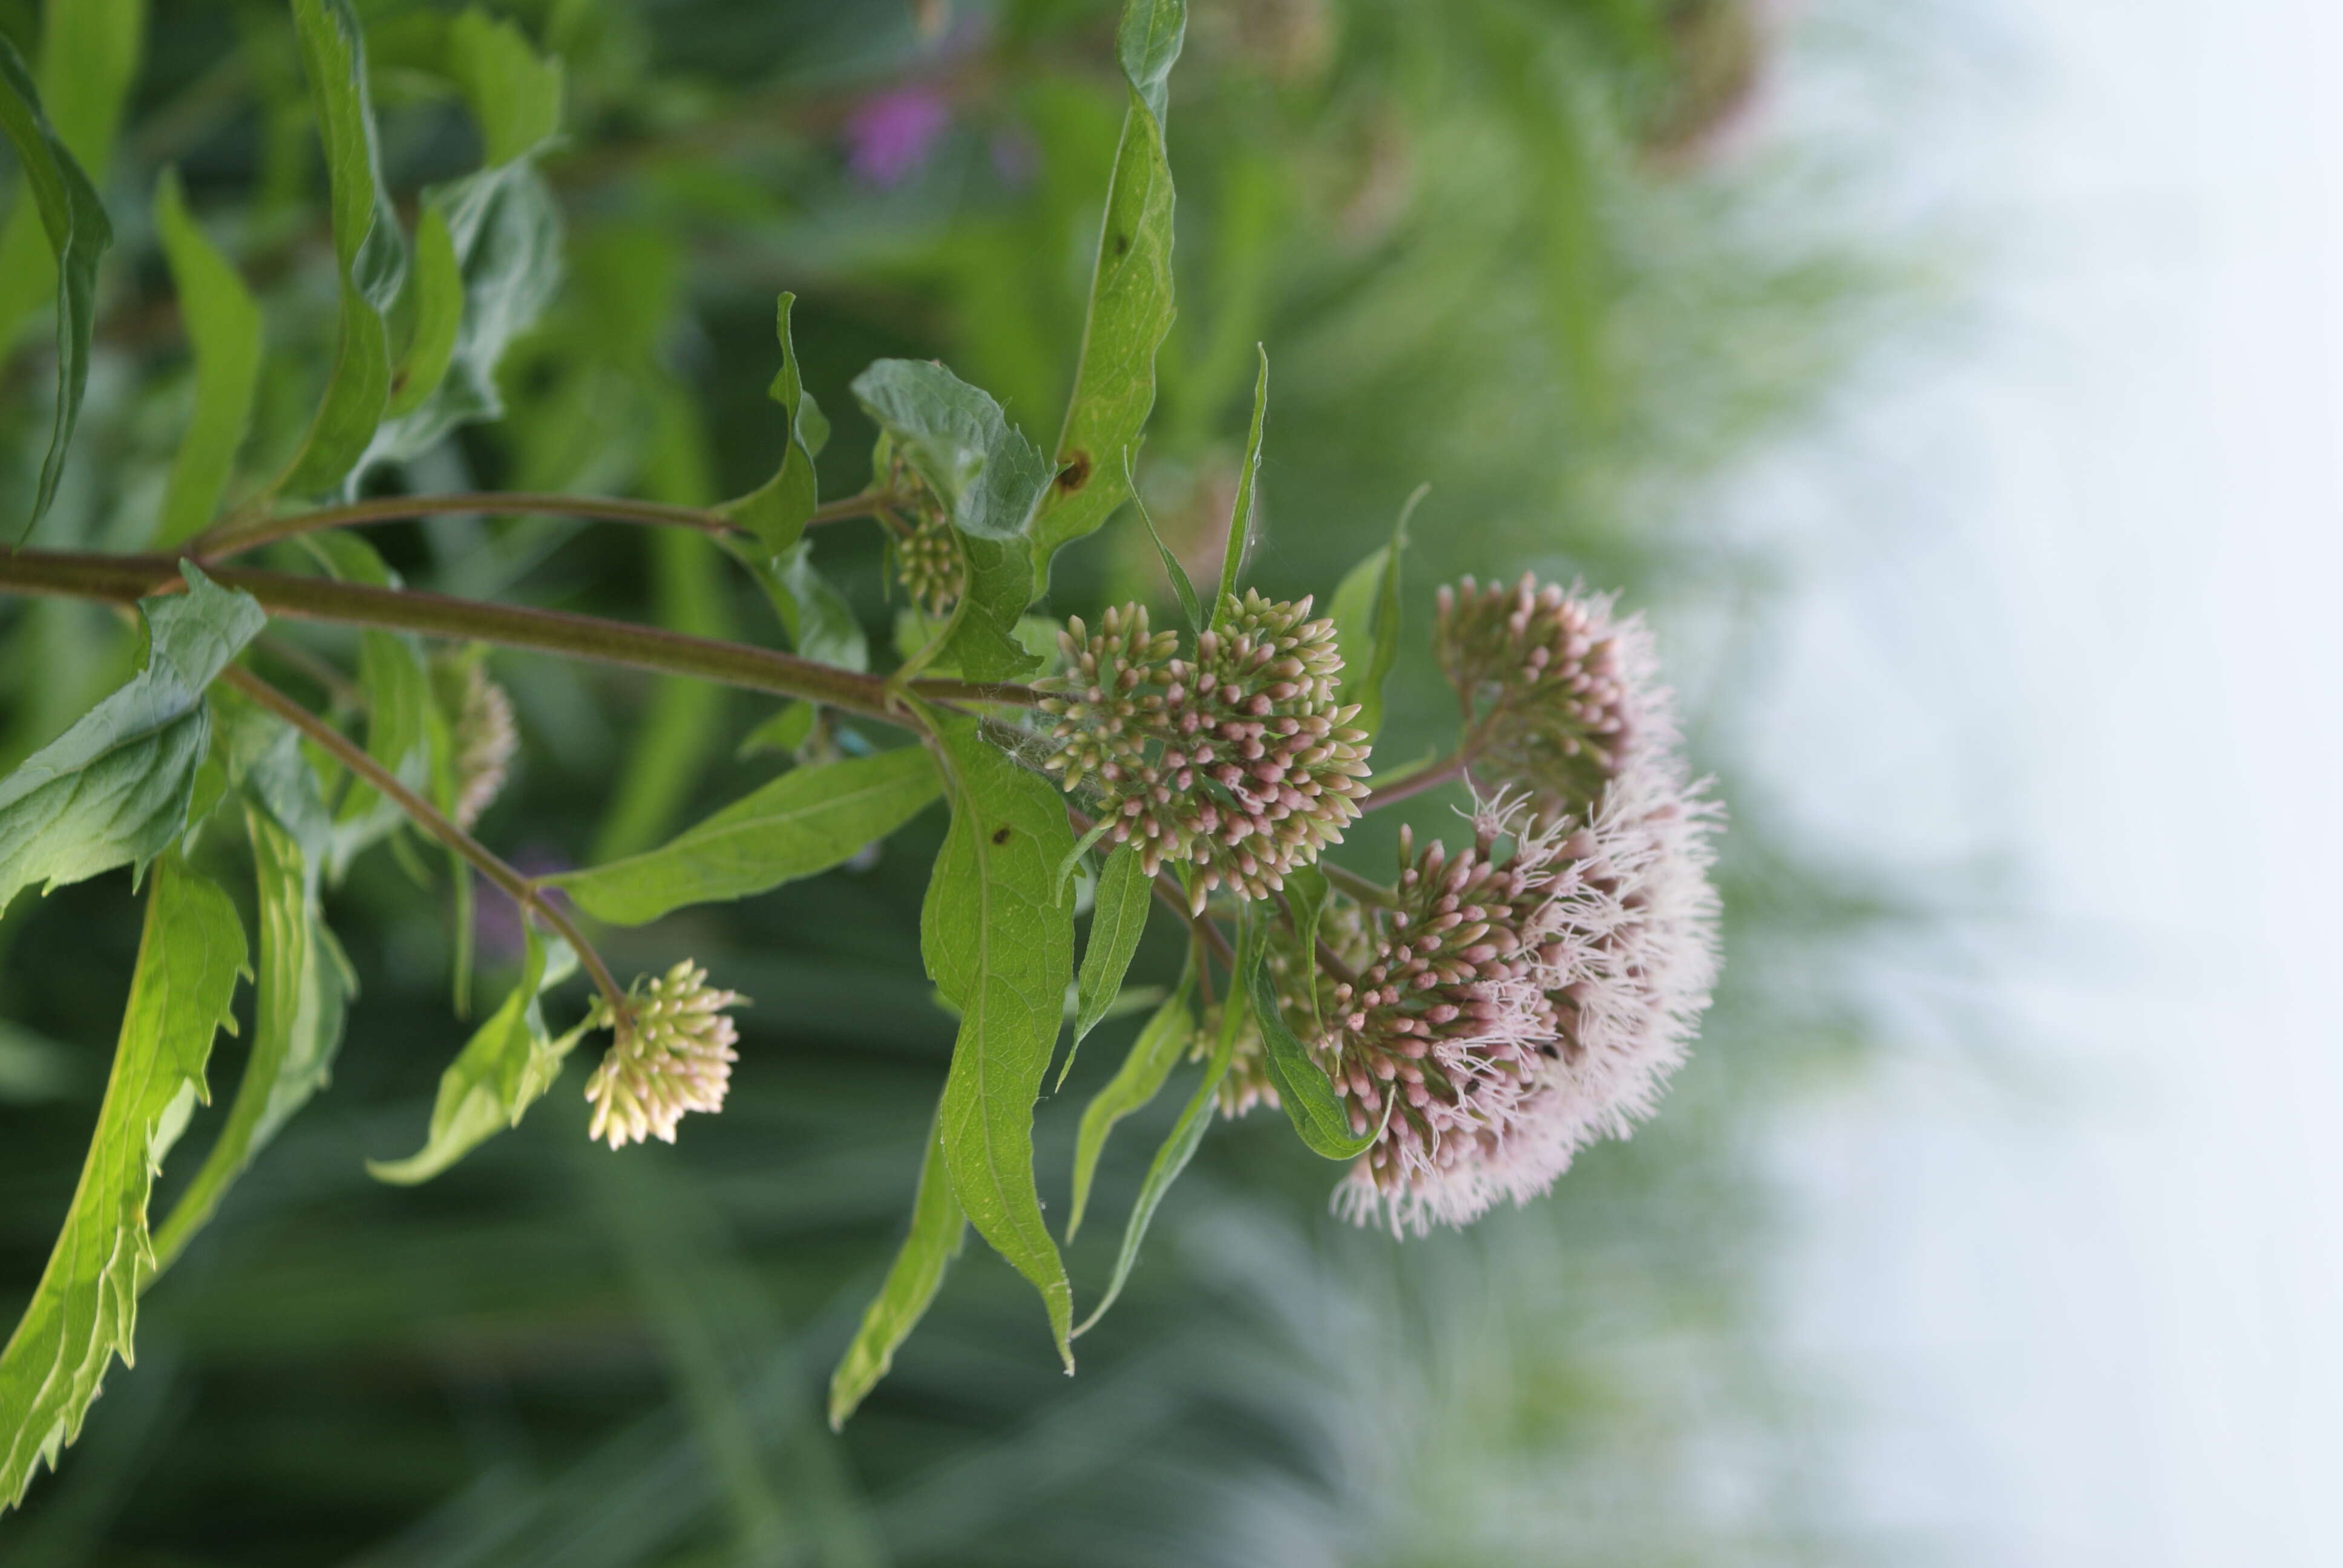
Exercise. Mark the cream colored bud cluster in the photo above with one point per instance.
(1238, 761)
(486, 741)
(1439, 1042)
(928, 558)
(674, 1055)
(1343, 930)
(1552, 679)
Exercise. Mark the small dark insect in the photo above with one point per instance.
(1121, 244)
(1000, 835)
(1076, 473)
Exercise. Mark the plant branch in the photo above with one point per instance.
(124, 579)
(230, 538)
(1423, 778)
(1358, 887)
(517, 888)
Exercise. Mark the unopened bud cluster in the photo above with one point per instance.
(1237, 761)
(927, 559)
(1550, 675)
(486, 740)
(1343, 932)
(674, 1054)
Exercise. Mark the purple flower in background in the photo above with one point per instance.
(889, 134)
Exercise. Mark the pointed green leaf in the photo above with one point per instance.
(503, 1070)
(1183, 589)
(369, 252)
(1130, 299)
(78, 233)
(939, 1225)
(1172, 1158)
(1000, 948)
(777, 510)
(513, 93)
(302, 992)
(83, 1311)
(1117, 920)
(436, 285)
(1133, 1088)
(784, 732)
(804, 822)
(990, 478)
(1309, 1101)
(1248, 485)
(1366, 622)
(223, 327)
(113, 790)
(821, 624)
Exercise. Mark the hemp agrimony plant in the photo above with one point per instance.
(1521, 983)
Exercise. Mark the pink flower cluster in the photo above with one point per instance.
(674, 1055)
(1238, 761)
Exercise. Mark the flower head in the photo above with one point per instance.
(1440, 1041)
(1560, 687)
(1238, 761)
(486, 738)
(674, 1054)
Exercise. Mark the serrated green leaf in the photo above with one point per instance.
(1000, 948)
(504, 1069)
(1232, 554)
(1309, 1101)
(1367, 622)
(303, 987)
(113, 790)
(223, 329)
(990, 478)
(1117, 920)
(939, 1226)
(78, 232)
(370, 254)
(776, 511)
(1153, 1054)
(1131, 295)
(804, 822)
(84, 1310)
(1172, 1157)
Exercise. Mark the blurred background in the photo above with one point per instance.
(1956, 385)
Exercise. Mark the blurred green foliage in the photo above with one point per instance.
(1490, 245)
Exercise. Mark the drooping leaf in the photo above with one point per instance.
(1309, 1101)
(804, 822)
(1133, 1088)
(88, 60)
(1306, 893)
(301, 989)
(821, 624)
(939, 1225)
(514, 92)
(1172, 1158)
(82, 1311)
(990, 478)
(223, 327)
(1117, 920)
(115, 790)
(370, 255)
(1000, 948)
(78, 233)
(1248, 485)
(397, 681)
(777, 510)
(1183, 588)
(436, 284)
(504, 1069)
(1130, 293)
(1366, 623)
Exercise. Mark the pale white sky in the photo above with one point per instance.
(2074, 1263)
